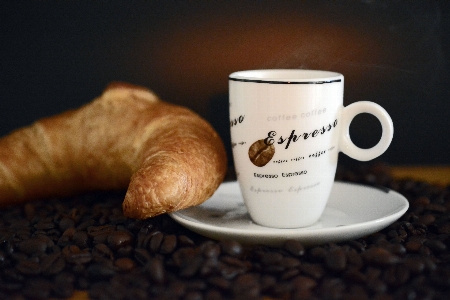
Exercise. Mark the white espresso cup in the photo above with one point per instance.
(287, 128)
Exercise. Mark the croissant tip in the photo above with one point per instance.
(116, 85)
(117, 88)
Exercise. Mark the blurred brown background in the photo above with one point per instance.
(57, 55)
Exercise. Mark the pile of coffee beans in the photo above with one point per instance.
(54, 248)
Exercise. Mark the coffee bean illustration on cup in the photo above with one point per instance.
(287, 128)
(260, 153)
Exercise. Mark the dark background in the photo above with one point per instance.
(57, 55)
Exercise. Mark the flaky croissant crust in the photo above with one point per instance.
(168, 156)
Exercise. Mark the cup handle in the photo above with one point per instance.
(346, 144)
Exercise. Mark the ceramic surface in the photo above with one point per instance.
(287, 128)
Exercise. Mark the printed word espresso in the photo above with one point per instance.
(270, 139)
(291, 174)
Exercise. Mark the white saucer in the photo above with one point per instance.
(353, 211)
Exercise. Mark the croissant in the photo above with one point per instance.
(168, 156)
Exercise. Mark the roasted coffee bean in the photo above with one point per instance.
(69, 250)
(436, 208)
(116, 219)
(413, 246)
(196, 284)
(169, 244)
(52, 264)
(176, 289)
(188, 260)
(289, 262)
(267, 282)
(118, 239)
(230, 272)
(74, 255)
(355, 276)
(379, 256)
(66, 223)
(125, 264)
(185, 241)
(232, 248)
(33, 245)
(66, 237)
(246, 285)
(101, 250)
(155, 242)
(414, 263)
(376, 286)
(421, 201)
(294, 247)
(289, 274)
(100, 238)
(435, 245)
(143, 240)
(318, 253)
(314, 270)
(333, 288)
(233, 262)
(45, 225)
(86, 224)
(155, 269)
(81, 239)
(354, 260)
(100, 271)
(425, 251)
(396, 275)
(397, 249)
(357, 246)
(210, 249)
(125, 251)
(377, 238)
(99, 230)
(302, 283)
(336, 260)
(209, 266)
(271, 258)
(142, 256)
